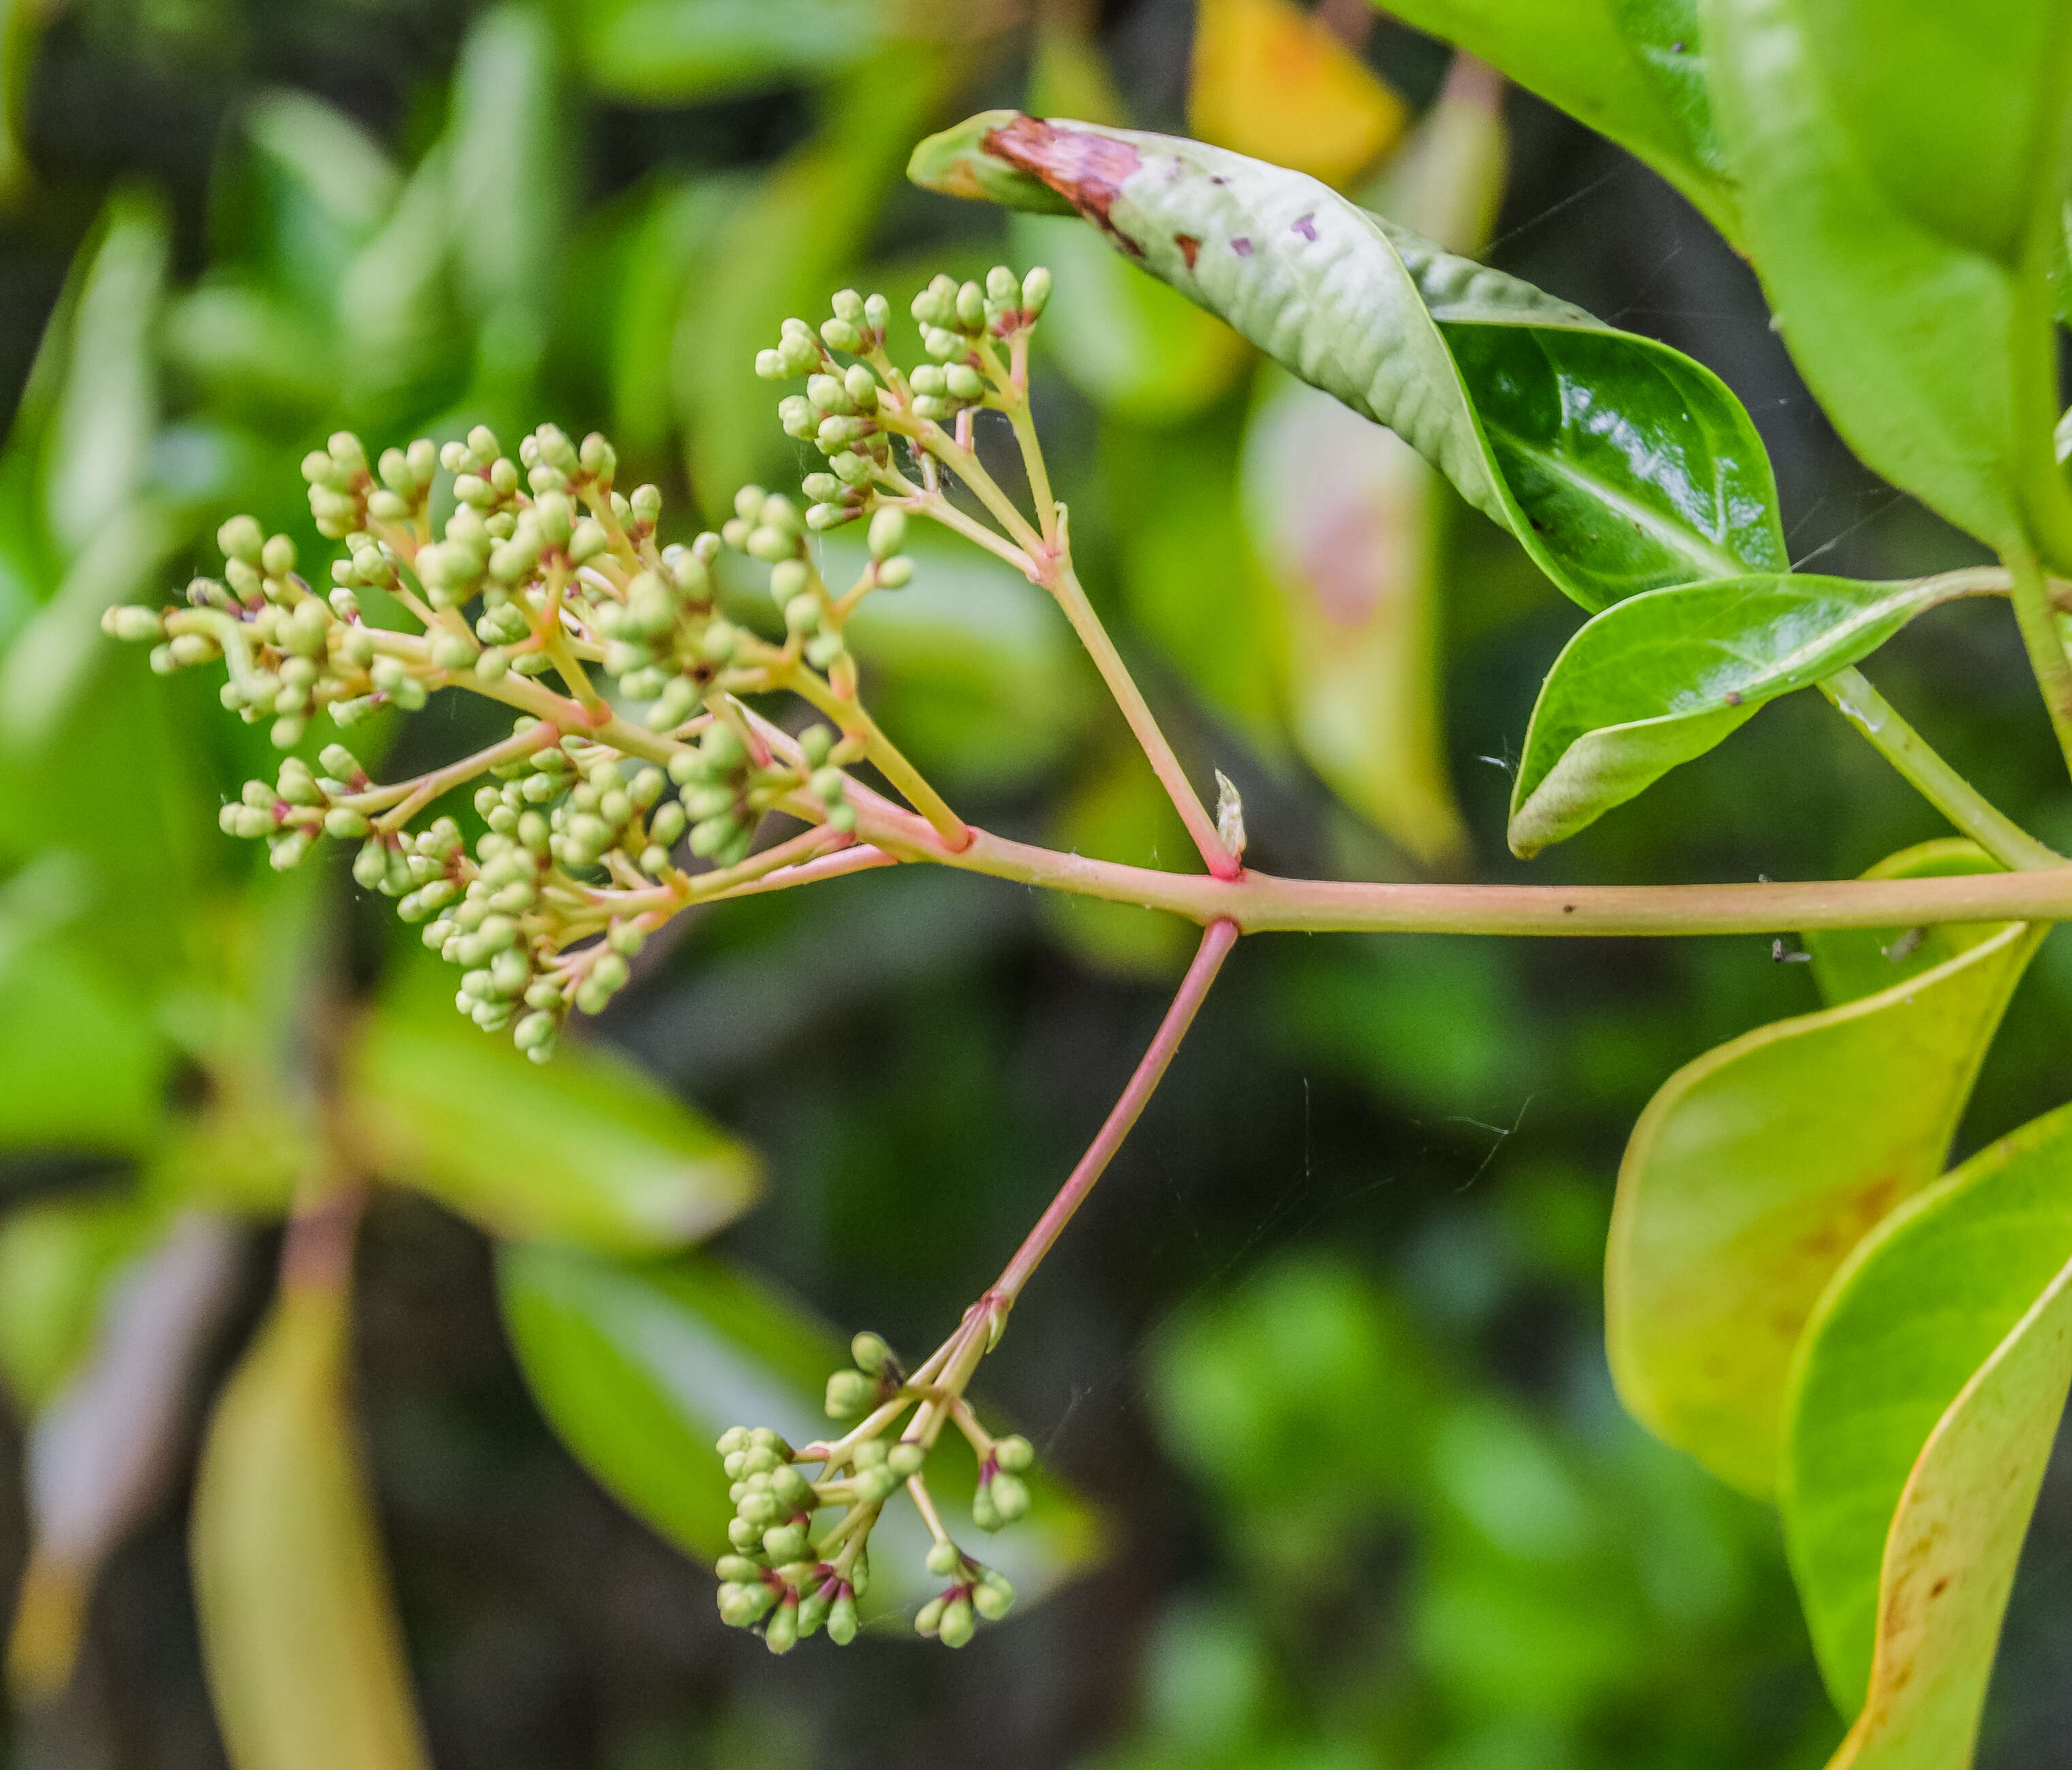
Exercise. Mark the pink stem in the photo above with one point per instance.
(1217, 940)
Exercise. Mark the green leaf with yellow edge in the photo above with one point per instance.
(1273, 81)
(298, 1634)
(1925, 1401)
(640, 1367)
(1659, 680)
(1618, 464)
(1634, 70)
(1757, 1168)
(584, 1149)
(1850, 964)
(1901, 167)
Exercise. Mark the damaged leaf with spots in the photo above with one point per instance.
(1756, 1169)
(1620, 465)
(1924, 1405)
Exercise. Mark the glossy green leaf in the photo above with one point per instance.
(1752, 1173)
(1659, 680)
(639, 1368)
(583, 1149)
(676, 51)
(1634, 70)
(1620, 465)
(298, 1633)
(1924, 1403)
(1901, 168)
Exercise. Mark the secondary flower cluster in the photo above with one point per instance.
(794, 1575)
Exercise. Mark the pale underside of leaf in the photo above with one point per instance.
(1754, 1172)
(1661, 678)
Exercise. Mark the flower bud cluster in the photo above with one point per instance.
(853, 412)
(792, 1574)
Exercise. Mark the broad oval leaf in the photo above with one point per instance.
(298, 1633)
(1752, 1173)
(639, 1368)
(1924, 1403)
(1850, 964)
(1661, 678)
(1900, 168)
(1634, 70)
(583, 1149)
(1620, 465)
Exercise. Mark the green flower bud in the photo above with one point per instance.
(984, 1514)
(645, 503)
(770, 366)
(782, 1635)
(847, 305)
(876, 313)
(849, 1392)
(851, 470)
(1001, 286)
(862, 387)
(823, 517)
(943, 1559)
(736, 1569)
(896, 573)
(793, 1491)
(133, 624)
(344, 822)
(828, 785)
(930, 1618)
(770, 545)
(813, 1610)
(888, 531)
(802, 614)
(748, 503)
(1010, 1496)
(784, 1542)
(241, 539)
(744, 1536)
(964, 382)
(971, 308)
(839, 335)
(722, 748)
(956, 1627)
(1036, 290)
(733, 1439)
(453, 651)
(992, 1597)
(1014, 1453)
(868, 1350)
(904, 1459)
(841, 1620)
(842, 818)
(735, 532)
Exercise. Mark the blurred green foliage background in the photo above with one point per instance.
(1326, 1348)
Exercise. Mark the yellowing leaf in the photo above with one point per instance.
(1272, 81)
(1924, 1404)
(1755, 1171)
(298, 1634)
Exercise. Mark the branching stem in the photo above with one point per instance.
(2038, 622)
(1937, 782)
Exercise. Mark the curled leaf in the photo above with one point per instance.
(1619, 464)
(1659, 678)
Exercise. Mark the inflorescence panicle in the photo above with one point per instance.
(538, 584)
(794, 1573)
